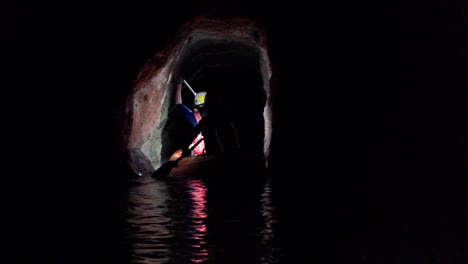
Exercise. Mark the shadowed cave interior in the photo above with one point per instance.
(232, 70)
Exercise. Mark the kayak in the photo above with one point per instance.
(211, 165)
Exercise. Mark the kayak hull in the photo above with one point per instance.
(210, 166)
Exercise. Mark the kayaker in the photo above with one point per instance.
(216, 126)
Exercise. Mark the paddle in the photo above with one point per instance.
(166, 168)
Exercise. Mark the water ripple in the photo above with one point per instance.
(195, 221)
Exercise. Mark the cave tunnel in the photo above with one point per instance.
(232, 64)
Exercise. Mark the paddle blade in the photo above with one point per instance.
(164, 170)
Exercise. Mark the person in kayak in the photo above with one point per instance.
(191, 116)
(217, 126)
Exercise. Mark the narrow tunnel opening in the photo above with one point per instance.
(232, 71)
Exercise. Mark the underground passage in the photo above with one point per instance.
(228, 61)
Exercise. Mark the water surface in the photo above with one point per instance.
(193, 220)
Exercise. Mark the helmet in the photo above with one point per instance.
(200, 99)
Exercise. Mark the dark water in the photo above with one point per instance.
(192, 220)
(249, 219)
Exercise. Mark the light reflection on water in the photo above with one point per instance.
(197, 221)
(198, 192)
